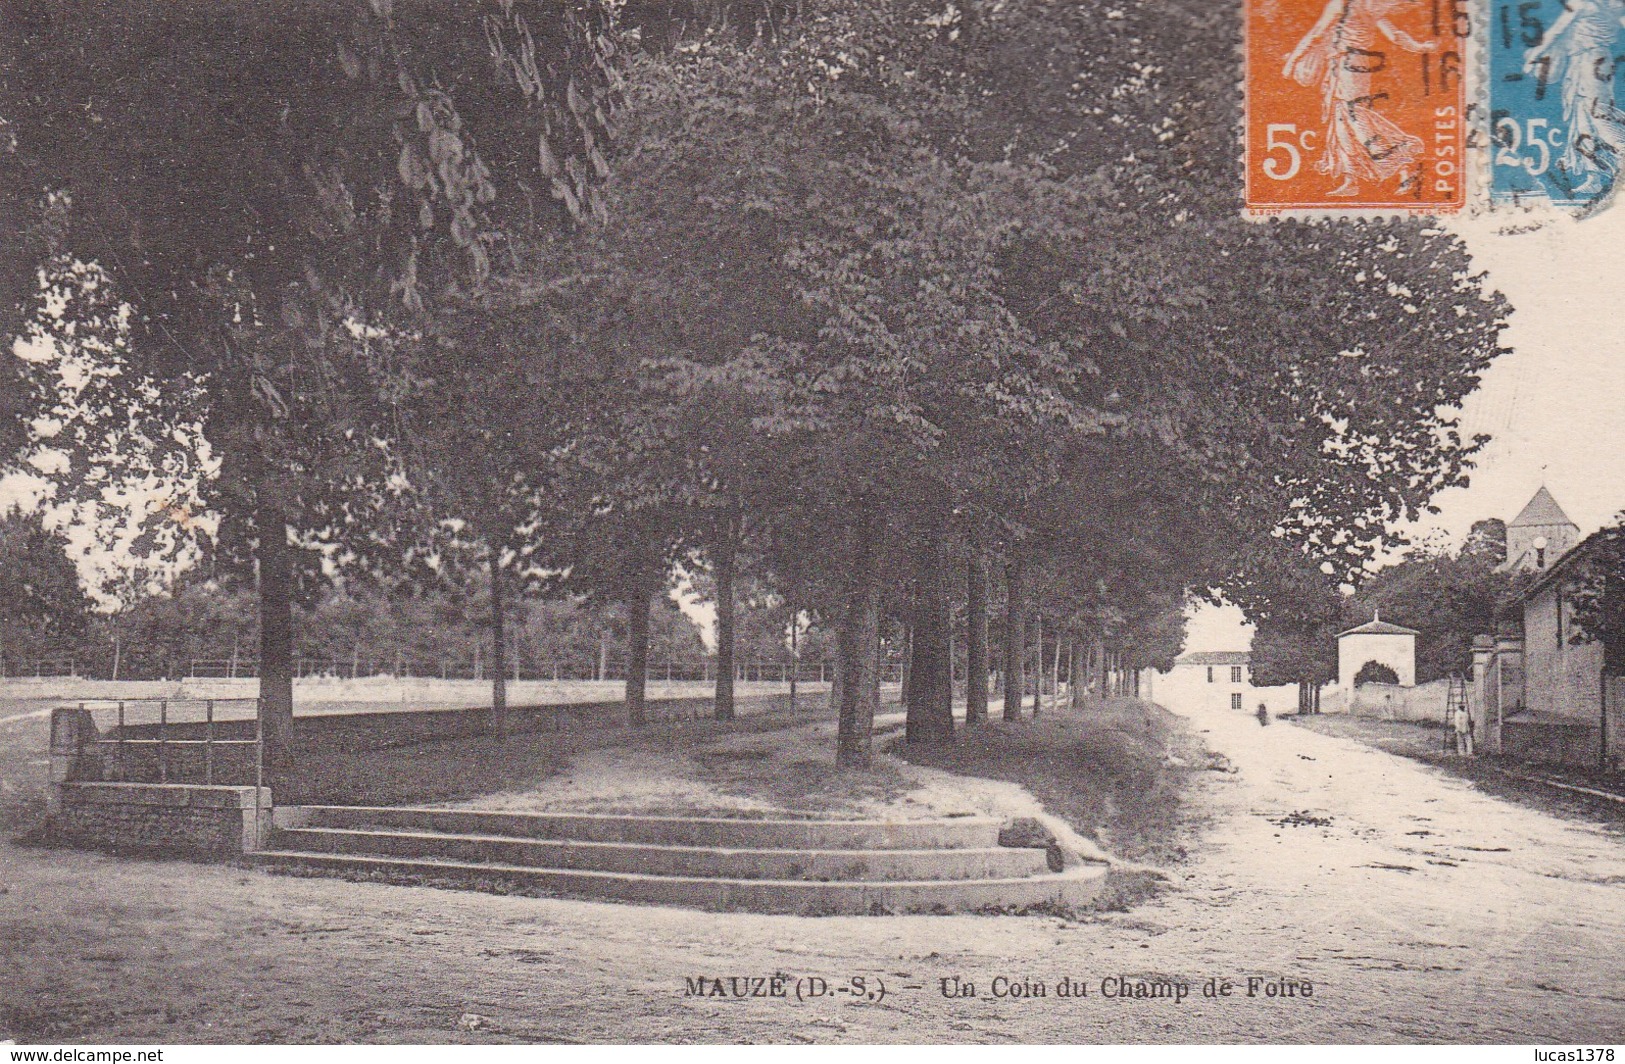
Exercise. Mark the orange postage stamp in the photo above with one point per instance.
(1356, 106)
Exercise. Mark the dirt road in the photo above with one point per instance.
(1416, 908)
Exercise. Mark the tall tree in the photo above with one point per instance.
(254, 175)
(43, 607)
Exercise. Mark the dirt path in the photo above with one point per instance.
(1422, 911)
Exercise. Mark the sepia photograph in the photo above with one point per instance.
(811, 522)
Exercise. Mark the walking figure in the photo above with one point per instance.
(1263, 715)
(1341, 53)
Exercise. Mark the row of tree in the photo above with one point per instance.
(906, 312)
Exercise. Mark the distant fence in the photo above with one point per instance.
(668, 671)
(38, 669)
(357, 668)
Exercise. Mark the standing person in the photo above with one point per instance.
(1341, 52)
(1464, 732)
(1263, 715)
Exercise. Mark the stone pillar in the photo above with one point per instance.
(1483, 695)
(73, 758)
(1508, 682)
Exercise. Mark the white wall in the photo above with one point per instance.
(1398, 652)
(380, 693)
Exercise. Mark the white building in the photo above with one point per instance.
(1379, 641)
(1215, 679)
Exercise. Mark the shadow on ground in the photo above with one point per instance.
(1501, 777)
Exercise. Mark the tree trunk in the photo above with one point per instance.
(904, 695)
(724, 574)
(931, 693)
(859, 639)
(1074, 674)
(638, 605)
(795, 655)
(498, 725)
(1055, 677)
(276, 648)
(1038, 664)
(976, 640)
(1015, 640)
(836, 686)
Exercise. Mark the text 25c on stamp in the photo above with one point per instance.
(1356, 106)
(1557, 132)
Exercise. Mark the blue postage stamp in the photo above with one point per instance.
(1557, 131)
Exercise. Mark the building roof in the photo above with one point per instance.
(1541, 510)
(1214, 657)
(1377, 626)
(1582, 550)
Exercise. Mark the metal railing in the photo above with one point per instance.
(691, 671)
(38, 669)
(170, 714)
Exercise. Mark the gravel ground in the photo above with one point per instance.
(1418, 908)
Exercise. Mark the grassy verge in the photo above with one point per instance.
(1117, 773)
(464, 768)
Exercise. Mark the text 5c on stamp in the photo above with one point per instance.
(1356, 106)
(1557, 132)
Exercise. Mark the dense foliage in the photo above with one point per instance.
(889, 301)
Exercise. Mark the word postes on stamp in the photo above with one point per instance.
(1356, 106)
(1557, 132)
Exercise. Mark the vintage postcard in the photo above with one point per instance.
(833, 522)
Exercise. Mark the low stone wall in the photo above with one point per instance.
(1424, 703)
(1544, 742)
(162, 818)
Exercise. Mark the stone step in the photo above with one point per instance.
(996, 862)
(956, 833)
(1074, 887)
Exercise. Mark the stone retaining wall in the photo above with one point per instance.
(166, 818)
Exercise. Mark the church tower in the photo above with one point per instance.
(1539, 535)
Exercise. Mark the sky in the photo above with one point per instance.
(1555, 406)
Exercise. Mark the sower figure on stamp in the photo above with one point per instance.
(1341, 53)
(1577, 53)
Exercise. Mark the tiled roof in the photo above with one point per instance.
(1376, 626)
(1542, 510)
(1568, 561)
(1214, 657)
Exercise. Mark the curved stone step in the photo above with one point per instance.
(731, 833)
(997, 862)
(1074, 887)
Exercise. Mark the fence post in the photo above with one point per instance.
(163, 750)
(123, 773)
(208, 743)
(259, 759)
